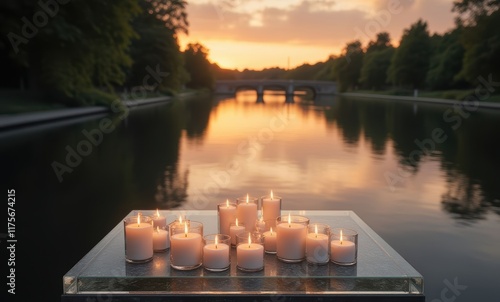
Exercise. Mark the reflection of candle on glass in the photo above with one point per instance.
(247, 213)
(260, 224)
(216, 255)
(343, 251)
(185, 248)
(160, 239)
(271, 206)
(227, 214)
(270, 241)
(250, 256)
(158, 220)
(235, 230)
(139, 240)
(317, 247)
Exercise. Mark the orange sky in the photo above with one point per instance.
(266, 33)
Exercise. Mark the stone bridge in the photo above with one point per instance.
(289, 86)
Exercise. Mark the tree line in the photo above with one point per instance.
(453, 60)
(86, 52)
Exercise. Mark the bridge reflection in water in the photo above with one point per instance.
(231, 87)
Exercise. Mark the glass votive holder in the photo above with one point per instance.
(246, 211)
(318, 243)
(271, 209)
(291, 233)
(138, 238)
(249, 252)
(159, 221)
(344, 246)
(161, 240)
(269, 238)
(226, 212)
(260, 225)
(216, 252)
(236, 228)
(186, 245)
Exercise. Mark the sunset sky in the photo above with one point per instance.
(265, 33)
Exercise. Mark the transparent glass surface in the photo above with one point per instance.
(380, 269)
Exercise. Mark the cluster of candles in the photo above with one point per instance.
(292, 238)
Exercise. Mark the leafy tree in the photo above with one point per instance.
(446, 61)
(375, 67)
(470, 10)
(198, 67)
(347, 67)
(410, 63)
(382, 42)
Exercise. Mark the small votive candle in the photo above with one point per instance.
(317, 243)
(161, 242)
(235, 228)
(270, 241)
(159, 220)
(186, 245)
(271, 208)
(344, 246)
(216, 252)
(291, 233)
(249, 252)
(246, 211)
(227, 213)
(138, 239)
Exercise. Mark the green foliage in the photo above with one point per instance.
(410, 63)
(198, 67)
(375, 66)
(382, 42)
(347, 68)
(446, 61)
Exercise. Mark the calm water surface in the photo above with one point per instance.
(437, 204)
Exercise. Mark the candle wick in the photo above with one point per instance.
(185, 235)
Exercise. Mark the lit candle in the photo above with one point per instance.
(270, 241)
(158, 220)
(235, 230)
(271, 206)
(291, 240)
(227, 214)
(185, 248)
(317, 247)
(138, 240)
(343, 251)
(160, 240)
(216, 255)
(250, 256)
(247, 213)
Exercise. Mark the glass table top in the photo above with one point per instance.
(379, 270)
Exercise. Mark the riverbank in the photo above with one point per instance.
(481, 104)
(9, 121)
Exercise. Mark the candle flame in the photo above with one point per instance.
(271, 230)
(157, 213)
(180, 219)
(139, 219)
(247, 198)
(216, 241)
(157, 229)
(249, 240)
(236, 221)
(271, 194)
(341, 237)
(227, 203)
(185, 229)
(289, 220)
(316, 230)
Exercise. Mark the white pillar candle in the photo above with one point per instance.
(317, 248)
(247, 212)
(270, 241)
(250, 256)
(291, 241)
(216, 256)
(235, 230)
(227, 214)
(139, 240)
(185, 249)
(159, 220)
(271, 208)
(160, 239)
(343, 251)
